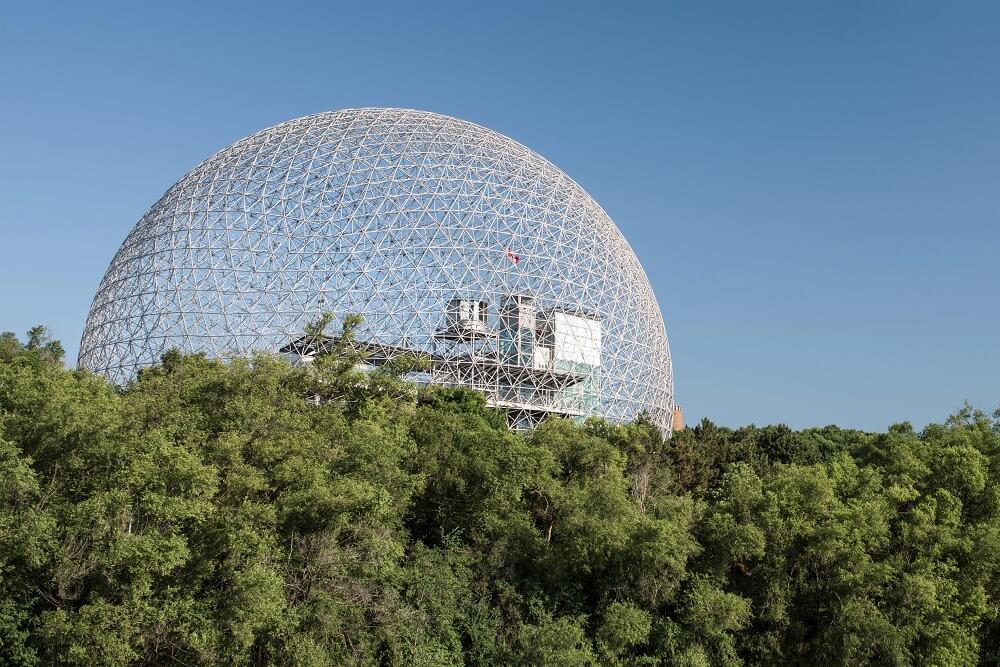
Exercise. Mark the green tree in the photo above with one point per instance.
(256, 512)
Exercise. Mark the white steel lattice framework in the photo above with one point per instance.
(449, 238)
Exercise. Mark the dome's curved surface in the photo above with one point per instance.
(414, 220)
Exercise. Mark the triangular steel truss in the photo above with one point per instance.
(393, 214)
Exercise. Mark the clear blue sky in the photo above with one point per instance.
(813, 188)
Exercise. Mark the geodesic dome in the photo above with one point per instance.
(450, 239)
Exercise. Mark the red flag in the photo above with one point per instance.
(512, 256)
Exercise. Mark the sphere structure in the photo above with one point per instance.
(450, 240)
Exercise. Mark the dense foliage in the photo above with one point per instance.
(257, 513)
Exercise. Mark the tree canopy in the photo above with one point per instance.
(255, 512)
